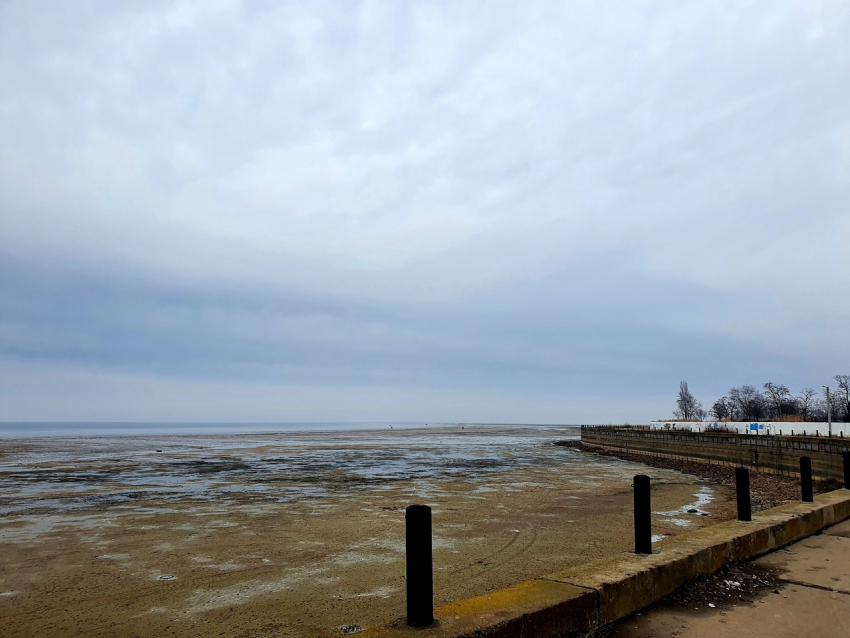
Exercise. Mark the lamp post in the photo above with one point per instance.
(828, 410)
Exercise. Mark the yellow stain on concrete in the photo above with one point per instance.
(533, 609)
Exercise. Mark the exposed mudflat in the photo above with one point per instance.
(301, 534)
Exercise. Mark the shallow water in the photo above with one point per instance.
(78, 472)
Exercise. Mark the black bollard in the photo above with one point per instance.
(806, 479)
(420, 575)
(847, 470)
(742, 489)
(643, 516)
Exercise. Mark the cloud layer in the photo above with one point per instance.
(569, 205)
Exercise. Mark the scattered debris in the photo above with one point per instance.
(732, 583)
(350, 629)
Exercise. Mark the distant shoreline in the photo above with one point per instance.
(36, 429)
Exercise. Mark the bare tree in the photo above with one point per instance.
(777, 395)
(745, 403)
(722, 409)
(843, 393)
(806, 401)
(687, 406)
(748, 401)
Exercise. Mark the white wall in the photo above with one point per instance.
(770, 427)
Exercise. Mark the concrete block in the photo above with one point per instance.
(628, 582)
(531, 609)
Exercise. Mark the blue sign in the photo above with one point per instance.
(754, 427)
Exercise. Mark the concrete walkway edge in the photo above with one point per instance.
(603, 591)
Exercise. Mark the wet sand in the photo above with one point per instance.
(301, 534)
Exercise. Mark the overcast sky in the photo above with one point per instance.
(437, 211)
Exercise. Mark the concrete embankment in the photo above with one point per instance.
(780, 454)
(598, 593)
(805, 592)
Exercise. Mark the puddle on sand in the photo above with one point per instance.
(202, 600)
(703, 497)
(380, 592)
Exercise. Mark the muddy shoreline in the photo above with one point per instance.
(301, 536)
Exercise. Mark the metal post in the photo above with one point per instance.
(828, 410)
(742, 489)
(806, 479)
(420, 575)
(643, 515)
(847, 470)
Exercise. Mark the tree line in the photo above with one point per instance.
(773, 402)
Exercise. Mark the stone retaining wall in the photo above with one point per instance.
(779, 454)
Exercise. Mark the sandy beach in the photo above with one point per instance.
(301, 534)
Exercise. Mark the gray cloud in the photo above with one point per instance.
(555, 200)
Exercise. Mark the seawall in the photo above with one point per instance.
(595, 594)
(779, 454)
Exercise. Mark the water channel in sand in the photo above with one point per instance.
(301, 534)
